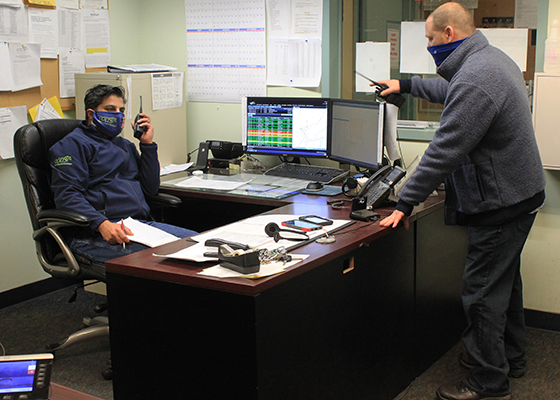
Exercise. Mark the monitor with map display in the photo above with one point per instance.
(285, 126)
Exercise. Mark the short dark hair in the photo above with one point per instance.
(98, 93)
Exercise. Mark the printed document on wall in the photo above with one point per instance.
(11, 119)
(294, 42)
(226, 49)
(26, 65)
(294, 62)
(72, 4)
(513, 42)
(97, 38)
(70, 62)
(69, 29)
(43, 29)
(167, 90)
(374, 61)
(415, 59)
(6, 79)
(13, 24)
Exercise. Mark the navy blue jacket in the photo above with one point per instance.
(103, 179)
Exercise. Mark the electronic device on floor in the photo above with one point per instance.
(25, 376)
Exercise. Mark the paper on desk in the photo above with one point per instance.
(171, 168)
(193, 253)
(265, 270)
(195, 182)
(148, 235)
(251, 231)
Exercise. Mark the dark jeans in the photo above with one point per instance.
(493, 302)
(95, 248)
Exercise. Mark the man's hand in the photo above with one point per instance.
(114, 233)
(394, 219)
(394, 86)
(145, 122)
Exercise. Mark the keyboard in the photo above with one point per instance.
(324, 175)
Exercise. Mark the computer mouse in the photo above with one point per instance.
(314, 186)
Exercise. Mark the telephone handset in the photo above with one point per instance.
(375, 192)
(139, 130)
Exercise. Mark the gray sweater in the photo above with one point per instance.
(485, 149)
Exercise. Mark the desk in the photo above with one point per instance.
(354, 321)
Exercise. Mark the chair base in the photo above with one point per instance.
(96, 327)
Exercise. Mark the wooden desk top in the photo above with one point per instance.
(144, 264)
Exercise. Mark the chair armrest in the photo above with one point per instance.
(163, 200)
(69, 217)
(52, 221)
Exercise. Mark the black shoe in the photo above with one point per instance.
(460, 391)
(468, 362)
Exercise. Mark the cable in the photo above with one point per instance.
(3, 349)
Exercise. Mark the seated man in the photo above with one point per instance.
(101, 175)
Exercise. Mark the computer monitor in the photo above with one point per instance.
(356, 133)
(286, 126)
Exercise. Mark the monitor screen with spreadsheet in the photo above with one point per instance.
(285, 126)
(356, 132)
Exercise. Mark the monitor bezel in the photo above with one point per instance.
(292, 152)
(380, 134)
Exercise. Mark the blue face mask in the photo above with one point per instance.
(108, 123)
(441, 51)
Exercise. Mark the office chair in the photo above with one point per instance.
(31, 146)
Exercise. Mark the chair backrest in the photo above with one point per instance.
(31, 147)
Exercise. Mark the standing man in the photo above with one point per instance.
(101, 175)
(485, 151)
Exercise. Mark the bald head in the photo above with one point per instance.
(448, 23)
(454, 15)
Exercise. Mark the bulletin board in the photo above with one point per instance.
(32, 97)
(49, 76)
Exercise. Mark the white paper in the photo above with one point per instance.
(372, 60)
(13, 24)
(6, 77)
(70, 62)
(415, 58)
(278, 13)
(11, 2)
(167, 90)
(45, 110)
(307, 19)
(513, 42)
(72, 4)
(265, 270)
(11, 119)
(26, 65)
(294, 62)
(171, 168)
(93, 4)
(526, 12)
(148, 235)
(69, 29)
(97, 38)
(394, 37)
(214, 184)
(43, 29)
(193, 253)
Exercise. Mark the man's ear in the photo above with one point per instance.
(89, 115)
(450, 33)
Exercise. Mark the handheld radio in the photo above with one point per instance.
(139, 130)
(393, 98)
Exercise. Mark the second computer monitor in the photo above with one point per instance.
(356, 133)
